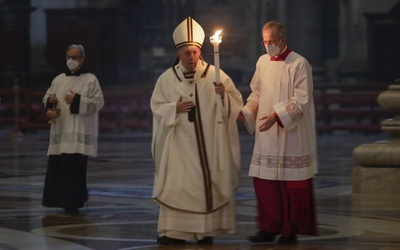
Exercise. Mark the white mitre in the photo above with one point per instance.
(188, 32)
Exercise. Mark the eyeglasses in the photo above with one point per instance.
(271, 42)
(73, 57)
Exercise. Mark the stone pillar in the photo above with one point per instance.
(14, 41)
(383, 58)
(305, 35)
(378, 164)
(126, 40)
(352, 64)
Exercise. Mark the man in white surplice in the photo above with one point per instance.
(73, 137)
(280, 111)
(195, 145)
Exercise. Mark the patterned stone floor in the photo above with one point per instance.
(120, 214)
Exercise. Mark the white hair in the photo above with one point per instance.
(79, 46)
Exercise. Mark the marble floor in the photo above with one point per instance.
(120, 214)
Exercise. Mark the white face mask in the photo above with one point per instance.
(72, 64)
(272, 50)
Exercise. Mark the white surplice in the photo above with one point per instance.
(197, 163)
(284, 87)
(75, 133)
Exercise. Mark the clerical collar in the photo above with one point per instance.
(189, 75)
(282, 56)
(76, 73)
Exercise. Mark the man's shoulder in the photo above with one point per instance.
(88, 74)
(167, 72)
(166, 76)
(60, 76)
(295, 58)
(263, 58)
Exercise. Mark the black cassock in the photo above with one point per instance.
(65, 183)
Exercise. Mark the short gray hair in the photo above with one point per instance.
(280, 28)
(79, 46)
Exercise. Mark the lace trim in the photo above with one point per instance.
(294, 112)
(71, 138)
(91, 108)
(270, 161)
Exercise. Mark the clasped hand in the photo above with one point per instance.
(69, 97)
(269, 122)
(183, 106)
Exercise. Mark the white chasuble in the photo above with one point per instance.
(197, 162)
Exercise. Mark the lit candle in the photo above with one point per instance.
(215, 40)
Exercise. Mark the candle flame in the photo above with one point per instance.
(216, 38)
(217, 33)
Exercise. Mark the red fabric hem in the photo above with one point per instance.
(286, 207)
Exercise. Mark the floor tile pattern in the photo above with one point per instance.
(120, 214)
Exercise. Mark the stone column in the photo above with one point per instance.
(378, 164)
(14, 41)
(305, 33)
